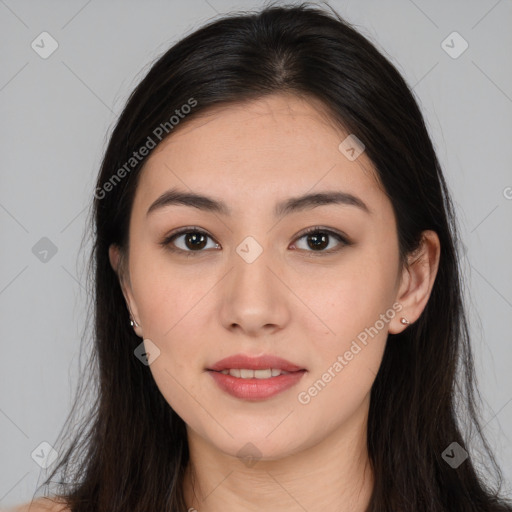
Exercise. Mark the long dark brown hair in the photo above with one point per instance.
(129, 452)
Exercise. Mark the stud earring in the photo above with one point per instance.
(404, 321)
(133, 323)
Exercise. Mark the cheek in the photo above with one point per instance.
(173, 315)
(167, 294)
(352, 296)
(174, 305)
(174, 321)
(355, 310)
(346, 358)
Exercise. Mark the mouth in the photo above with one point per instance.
(254, 388)
(245, 363)
(255, 378)
(247, 373)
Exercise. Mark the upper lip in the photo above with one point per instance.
(255, 363)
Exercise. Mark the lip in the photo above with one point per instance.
(255, 363)
(256, 389)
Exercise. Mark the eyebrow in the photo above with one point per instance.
(291, 205)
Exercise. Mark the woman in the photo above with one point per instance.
(278, 310)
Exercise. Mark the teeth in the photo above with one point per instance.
(254, 374)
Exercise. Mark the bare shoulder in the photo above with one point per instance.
(40, 505)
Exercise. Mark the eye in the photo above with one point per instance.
(192, 241)
(318, 238)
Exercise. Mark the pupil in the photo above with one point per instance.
(319, 241)
(193, 238)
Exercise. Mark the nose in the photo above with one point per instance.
(254, 298)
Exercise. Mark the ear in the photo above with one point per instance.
(417, 281)
(120, 269)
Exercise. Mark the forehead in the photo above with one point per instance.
(279, 145)
(278, 124)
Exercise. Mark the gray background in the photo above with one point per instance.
(57, 112)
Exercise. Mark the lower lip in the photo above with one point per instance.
(256, 389)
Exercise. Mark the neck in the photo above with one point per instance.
(334, 474)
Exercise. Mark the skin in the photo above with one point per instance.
(292, 301)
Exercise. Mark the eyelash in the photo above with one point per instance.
(167, 241)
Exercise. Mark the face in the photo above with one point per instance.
(207, 283)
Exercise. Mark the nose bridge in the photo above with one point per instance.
(252, 299)
(251, 261)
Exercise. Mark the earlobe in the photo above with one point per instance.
(417, 281)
